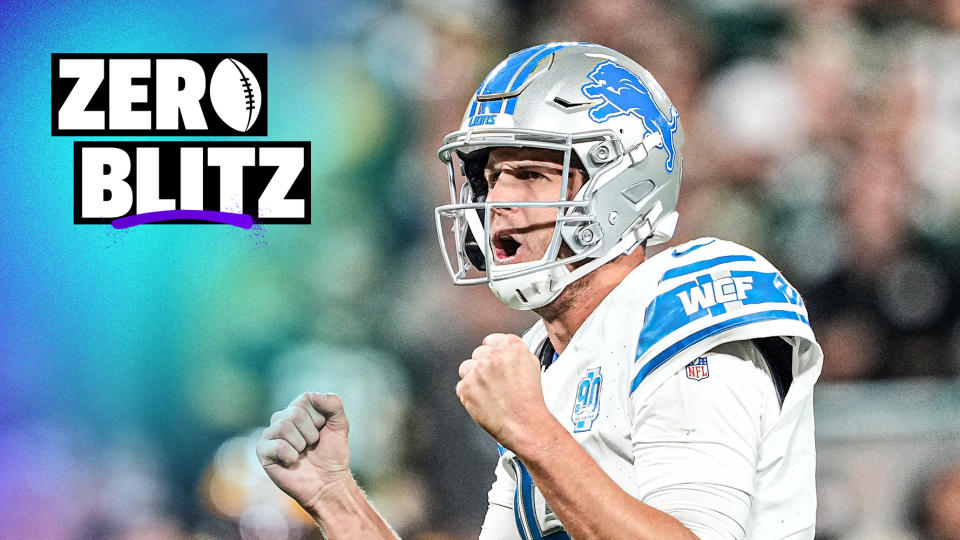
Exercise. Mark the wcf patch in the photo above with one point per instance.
(698, 369)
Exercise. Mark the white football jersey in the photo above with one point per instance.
(691, 385)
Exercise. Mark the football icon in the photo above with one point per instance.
(235, 94)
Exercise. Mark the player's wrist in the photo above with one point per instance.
(342, 511)
(527, 440)
(334, 497)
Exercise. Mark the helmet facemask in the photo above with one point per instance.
(466, 238)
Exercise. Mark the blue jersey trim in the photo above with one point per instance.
(703, 265)
(768, 287)
(681, 252)
(707, 332)
(516, 514)
(524, 495)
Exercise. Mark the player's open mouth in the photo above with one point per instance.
(505, 246)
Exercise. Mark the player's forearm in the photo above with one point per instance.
(587, 501)
(343, 512)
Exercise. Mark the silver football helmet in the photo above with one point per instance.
(581, 99)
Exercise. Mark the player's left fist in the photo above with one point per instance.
(500, 388)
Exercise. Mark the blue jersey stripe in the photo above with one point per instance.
(516, 514)
(707, 332)
(681, 252)
(703, 265)
(524, 496)
(768, 287)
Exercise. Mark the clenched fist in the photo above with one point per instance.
(304, 449)
(500, 388)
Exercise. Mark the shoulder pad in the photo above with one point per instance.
(711, 292)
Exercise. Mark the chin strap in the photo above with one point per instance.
(476, 227)
(629, 242)
(664, 229)
(654, 227)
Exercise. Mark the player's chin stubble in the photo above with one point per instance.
(570, 294)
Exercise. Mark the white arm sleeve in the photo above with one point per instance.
(696, 441)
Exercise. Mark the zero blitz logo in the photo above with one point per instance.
(129, 183)
(159, 94)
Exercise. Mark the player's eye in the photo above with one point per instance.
(528, 174)
(492, 178)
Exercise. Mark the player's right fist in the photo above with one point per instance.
(304, 449)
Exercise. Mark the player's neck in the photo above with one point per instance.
(564, 316)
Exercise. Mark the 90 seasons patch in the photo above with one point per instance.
(586, 407)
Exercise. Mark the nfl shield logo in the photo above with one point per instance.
(698, 369)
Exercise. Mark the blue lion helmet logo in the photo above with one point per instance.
(623, 93)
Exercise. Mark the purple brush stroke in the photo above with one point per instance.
(244, 221)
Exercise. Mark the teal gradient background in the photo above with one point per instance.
(107, 311)
(165, 334)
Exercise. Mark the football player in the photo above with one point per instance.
(668, 397)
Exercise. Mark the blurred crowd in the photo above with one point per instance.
(825, 134)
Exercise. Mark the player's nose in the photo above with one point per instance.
(501, 192)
